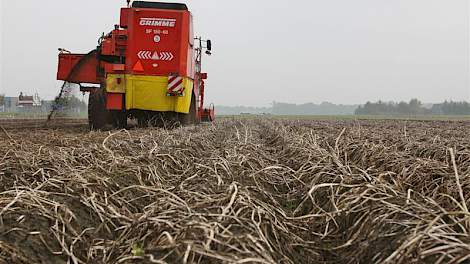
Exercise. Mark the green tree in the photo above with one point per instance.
(415, 107)
(70, 104)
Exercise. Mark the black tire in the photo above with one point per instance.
(191, 117)
(98, 115)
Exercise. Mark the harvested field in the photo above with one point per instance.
(238, 191)
(41, 123)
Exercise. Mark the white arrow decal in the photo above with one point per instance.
(149, 55)
(166, 56)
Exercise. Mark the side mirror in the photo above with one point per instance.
(209, 45)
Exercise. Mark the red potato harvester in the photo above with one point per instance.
(148, 68)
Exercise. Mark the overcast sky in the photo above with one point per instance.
(340, 51)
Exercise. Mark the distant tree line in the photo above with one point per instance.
(413, 107)
(324, 108)
(278, 108)
(239, 110)
(451, 108)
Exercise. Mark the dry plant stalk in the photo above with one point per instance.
(238, 191)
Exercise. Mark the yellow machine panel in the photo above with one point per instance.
(116, 83)
(150, 93)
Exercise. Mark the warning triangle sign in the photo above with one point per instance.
(138, 67)
(155, 56)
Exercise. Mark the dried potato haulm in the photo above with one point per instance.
(238, 191)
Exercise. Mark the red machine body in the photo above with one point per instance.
(162, 41)
(70, 70)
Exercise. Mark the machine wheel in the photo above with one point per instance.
(98, 115)
(191, 117)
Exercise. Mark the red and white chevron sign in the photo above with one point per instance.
(166, 56)
(155, 55)
(175, 85)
